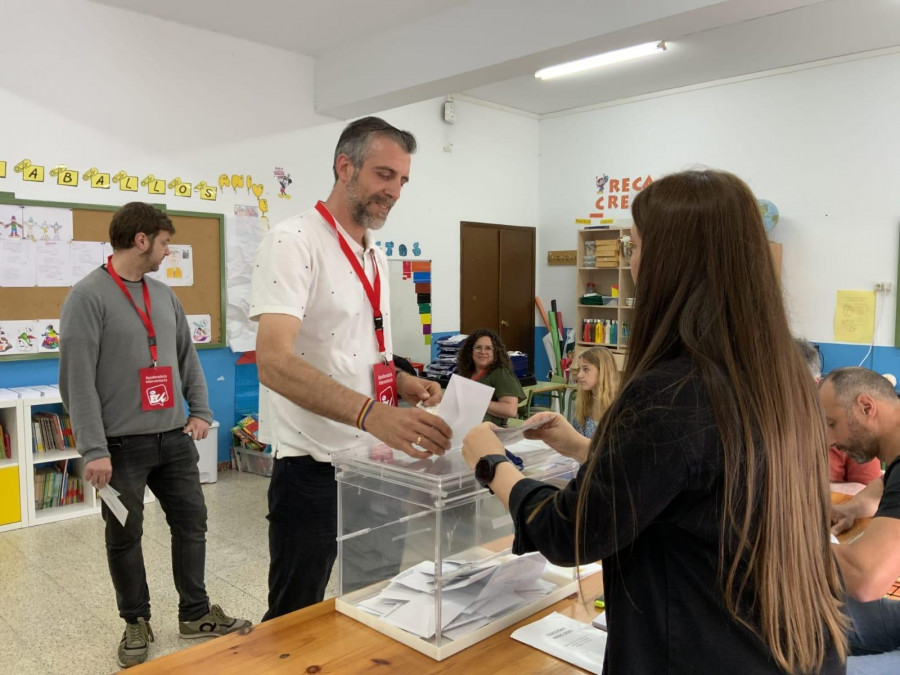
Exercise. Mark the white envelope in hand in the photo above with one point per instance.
(463, 406)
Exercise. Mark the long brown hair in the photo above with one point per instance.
(591, 404)
(707, 288)
(465, 365)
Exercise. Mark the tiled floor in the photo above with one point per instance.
(57, 604)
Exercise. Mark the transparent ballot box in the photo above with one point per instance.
(424, 551)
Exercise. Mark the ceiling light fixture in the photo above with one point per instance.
(601, 60)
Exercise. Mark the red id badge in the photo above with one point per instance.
(385, 383)
(157, 388)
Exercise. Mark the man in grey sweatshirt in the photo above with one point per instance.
(127, 365)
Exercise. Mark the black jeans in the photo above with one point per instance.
(167, 463)
(302, 533)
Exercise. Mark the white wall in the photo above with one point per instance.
(820, 143)
(107, 88)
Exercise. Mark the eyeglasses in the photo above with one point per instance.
(479, 348)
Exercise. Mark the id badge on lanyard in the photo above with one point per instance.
(383, 374)
(156, 383)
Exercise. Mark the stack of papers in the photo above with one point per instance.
(471, 595)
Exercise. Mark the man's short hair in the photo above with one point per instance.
(849, 383)
(357, 137)
(134, 218)
(811, 357)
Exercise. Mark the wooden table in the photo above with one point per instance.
(318, 639)
(859, 525)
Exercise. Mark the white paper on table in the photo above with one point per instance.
(111, 497)
(463, 406)
(567, 639)
(600, 621)
(86, 257)
(17, 263)
(511, 435)
(53, 262)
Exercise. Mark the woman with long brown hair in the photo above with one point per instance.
(704, 489)
(598, 383)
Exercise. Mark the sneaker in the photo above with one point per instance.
(135, 642)
(212, 624)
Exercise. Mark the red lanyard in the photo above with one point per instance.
(145, 317)
(374, 294)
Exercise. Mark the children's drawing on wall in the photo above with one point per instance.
(48, 224)
(50, 337)
(246, 211)
(417, 251)
(11, 220)
(17, 263)
(17, 338)
(284, 179)
(5, 345)
(389, 248)
(179, 265)
(200, 325)
(401, 250)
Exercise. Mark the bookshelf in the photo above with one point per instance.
(603, 272)
(41, 492)
(21, 482)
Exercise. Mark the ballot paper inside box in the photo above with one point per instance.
(424, 551)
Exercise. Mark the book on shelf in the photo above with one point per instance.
(56, 485)
(52, 432)
(6, 450)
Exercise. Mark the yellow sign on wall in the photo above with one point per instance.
(34, 174)
(100, 180)
(67, 177)
(129, 184)
(183, 189)
(2, 169)
(157, 187)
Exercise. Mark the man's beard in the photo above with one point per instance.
(862, 446)
(359, 209)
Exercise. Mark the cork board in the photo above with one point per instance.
(203, 231)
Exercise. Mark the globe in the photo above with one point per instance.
(769, 213)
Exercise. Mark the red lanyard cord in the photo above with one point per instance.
(373, 293)
(145, 316)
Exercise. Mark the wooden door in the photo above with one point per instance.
(497, 283)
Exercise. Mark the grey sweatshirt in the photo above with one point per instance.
(103, 345)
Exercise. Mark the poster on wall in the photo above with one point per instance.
(201, 328)
(17, 267)
(43, 223)
(18, 338)
(48, 334)
(54, 266)
(11, 222)
(86, 256)
(179, 265)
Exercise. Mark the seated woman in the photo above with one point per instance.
(704, 487)
(483, 358)
(598, 383)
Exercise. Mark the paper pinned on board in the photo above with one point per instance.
(854, 316)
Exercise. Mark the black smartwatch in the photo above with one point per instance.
(487, 467)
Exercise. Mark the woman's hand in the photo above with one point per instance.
(555, 431)
(481, 441)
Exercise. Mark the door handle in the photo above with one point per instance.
(504, 323)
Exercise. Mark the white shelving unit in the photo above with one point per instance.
(603, 278)
(13, 507)
(91, 503)
(17, 477)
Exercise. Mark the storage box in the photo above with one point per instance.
(253, 461)
(421, 544)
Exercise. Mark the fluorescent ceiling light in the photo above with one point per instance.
(600, 60)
